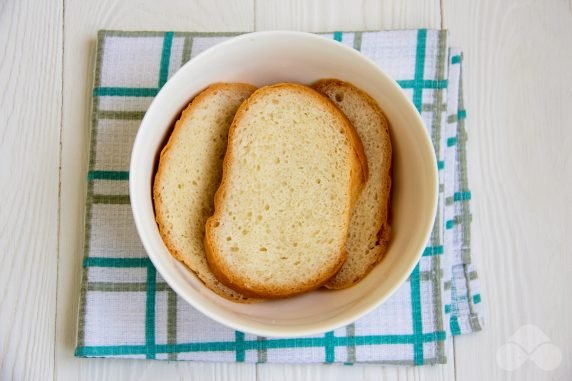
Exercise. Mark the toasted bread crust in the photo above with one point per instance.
(342, 280)
(215, 286)
(357, 181)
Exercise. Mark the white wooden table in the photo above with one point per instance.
(518, 78)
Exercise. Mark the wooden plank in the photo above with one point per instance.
(331, 15)
(82, 20)
(30, 120)
(518, 56)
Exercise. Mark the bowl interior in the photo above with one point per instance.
(266, 58)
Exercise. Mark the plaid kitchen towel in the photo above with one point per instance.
(127, 309)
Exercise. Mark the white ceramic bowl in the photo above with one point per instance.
(264, 58)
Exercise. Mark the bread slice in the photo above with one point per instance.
(369, 229)
(189, 173)
(293, 169)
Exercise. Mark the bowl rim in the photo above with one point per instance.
(258, 328)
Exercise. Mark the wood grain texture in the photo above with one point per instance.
(518, 84)
(346, 15)
(518, 56)
(82, 21)
(30, 120)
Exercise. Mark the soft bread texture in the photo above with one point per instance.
(369, 230)
(189, 173)
(293, 169)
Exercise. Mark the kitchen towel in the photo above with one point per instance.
(127, 309)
